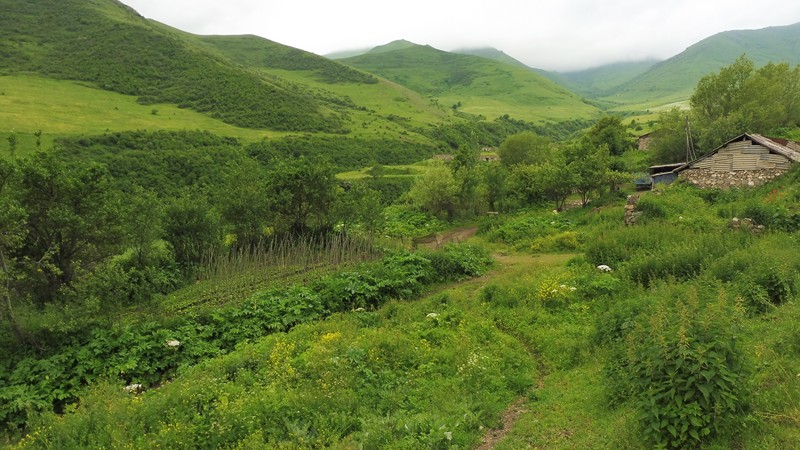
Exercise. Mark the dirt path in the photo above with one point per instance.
(509, 418)
(516, 409)
(434, 241)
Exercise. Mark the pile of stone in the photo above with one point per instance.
(746, 224)
(631, 215)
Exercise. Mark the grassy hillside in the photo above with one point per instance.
(493, 54)
(473, 84)
(256, 51)
(108, 44)
(385, 109)
(30, 103)
(673, 80)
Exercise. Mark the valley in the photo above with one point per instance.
(227, 242)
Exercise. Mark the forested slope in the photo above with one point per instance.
(110, 45)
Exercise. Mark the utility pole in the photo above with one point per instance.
(691, 155)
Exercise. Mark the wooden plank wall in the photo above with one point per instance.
(744, 155)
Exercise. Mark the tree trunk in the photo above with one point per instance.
(7, 308)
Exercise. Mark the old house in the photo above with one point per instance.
(643, 142)
(747, 160)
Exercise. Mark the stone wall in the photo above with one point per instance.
(707, 178)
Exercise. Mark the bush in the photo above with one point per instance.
(684, 369)
(457, 262)
(764, 274)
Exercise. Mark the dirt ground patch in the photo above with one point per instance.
(509, 418)
(437, 240)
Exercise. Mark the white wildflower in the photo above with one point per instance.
(448, 435)
(573, 288)
(604, 268)
(359, 310)
(173, 343)
(432, 315)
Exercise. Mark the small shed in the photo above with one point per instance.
(747, 160)
(665, 173)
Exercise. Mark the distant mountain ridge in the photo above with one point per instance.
(493, 54)
(651, 82)
(473, 84)
(600, 81)
(675, 78)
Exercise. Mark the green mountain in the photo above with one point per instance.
(473, 84)
(674, 79)
(493, 54)
(599, 81)
(109, 45)
(374, 106)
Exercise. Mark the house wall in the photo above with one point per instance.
(738, 164)
(743, 155)
(707, 178)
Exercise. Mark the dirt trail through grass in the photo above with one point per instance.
(510, 264)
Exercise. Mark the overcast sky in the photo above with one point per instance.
(547, 34)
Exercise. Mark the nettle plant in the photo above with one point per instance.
(685, 370)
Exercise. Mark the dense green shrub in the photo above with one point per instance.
(684, 368)
(764, 274)
(679, 260)
(457, 262)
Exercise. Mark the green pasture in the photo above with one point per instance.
(57, 108)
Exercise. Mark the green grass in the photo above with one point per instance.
(570, 412)
(61, 108)
(400, 170)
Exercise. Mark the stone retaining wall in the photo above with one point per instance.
(707, 178)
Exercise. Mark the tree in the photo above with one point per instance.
(741, 98)
(143, 225)
(588, 166)
(12, 236)
(12, 145)
(493, 180)
(464, 167)
(610, 131)
(192, 228)
(38, 135)
(557, 181)
(358, 205)
(74, 220)
(301, 192)
(717, 103)
(525, 148)
(244, 203)
(668, 142)
(719, 95)
(436, 191)
(523, 184)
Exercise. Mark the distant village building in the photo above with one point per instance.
(643, 143)
(747, 160)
